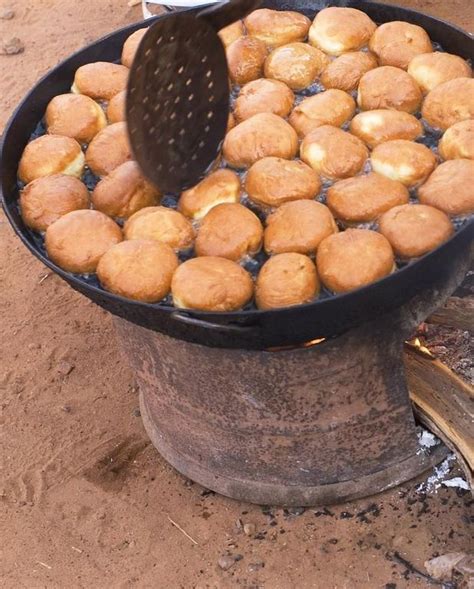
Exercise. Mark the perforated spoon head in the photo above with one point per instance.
(178, 101)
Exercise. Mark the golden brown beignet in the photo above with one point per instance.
(353, 258)
(78, 240)
(286, 280)
(222, 186)
(231, 33)
(49, 155)
(131, 45)
(458, 141)
(364, 198)
(260, 136)
(377, 126)
(345, 72)
(124, 191)
(245, 59)
(334, 153)
(432, 69)
(298, 226)
(339, 30)
(273, 181)
(396, 43)
(449, 188)
(46, 199)
(76, 116)
(277, 27)
(116, 108)
(298, 65)
(101, 80)
(415, 230)
(140, 270)
(160, 224)
(449, 103)
(406, 161)
(389, 87)
(263, 95)
(229, 231)
(109, 149)
(211, 284)
(332, 107)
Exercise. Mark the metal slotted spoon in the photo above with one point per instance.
(178, 95)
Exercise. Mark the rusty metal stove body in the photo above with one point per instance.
(304, 426)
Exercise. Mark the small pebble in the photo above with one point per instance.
(67, 408)
(136, 412)
(7, 13)
(64, 367)
(249, 529)
(255, 566)
(227, 561)
(11, 46)
(295, 510)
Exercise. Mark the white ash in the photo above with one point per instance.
(456, 482)
(434, 482)
(426, 440)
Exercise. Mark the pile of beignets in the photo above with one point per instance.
(327, 173)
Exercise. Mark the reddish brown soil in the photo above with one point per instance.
(85, 500)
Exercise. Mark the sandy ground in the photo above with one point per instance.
(85, 500)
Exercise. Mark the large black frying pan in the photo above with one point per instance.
(245, 329)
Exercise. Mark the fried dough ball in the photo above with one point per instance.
(277, 27)
(222, 186)
(334, 153)
(273, 181)
(458, 141)
(245, 59)
(339, 30)
(124, 192)
(78, 240)
(101, 80)
(397, 43)
(263, 96)
(345, 72)
(260, 136)
(353, 258)
(298, 65)
(76, 116)
(415, 230)
(364, 198)
(389, 87)
(140, 270)
(332, 107)
(298, 226)
(286, 280)
(408, 162)
(229, 231)
(211, 284)
(231, 33)
(377, 126)
(109, 148)
(449, 188)
(449, 103)
(160, 224)
(116, 108)
(131, 45)
(49, 155)
(46, 199)
(432, 69)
